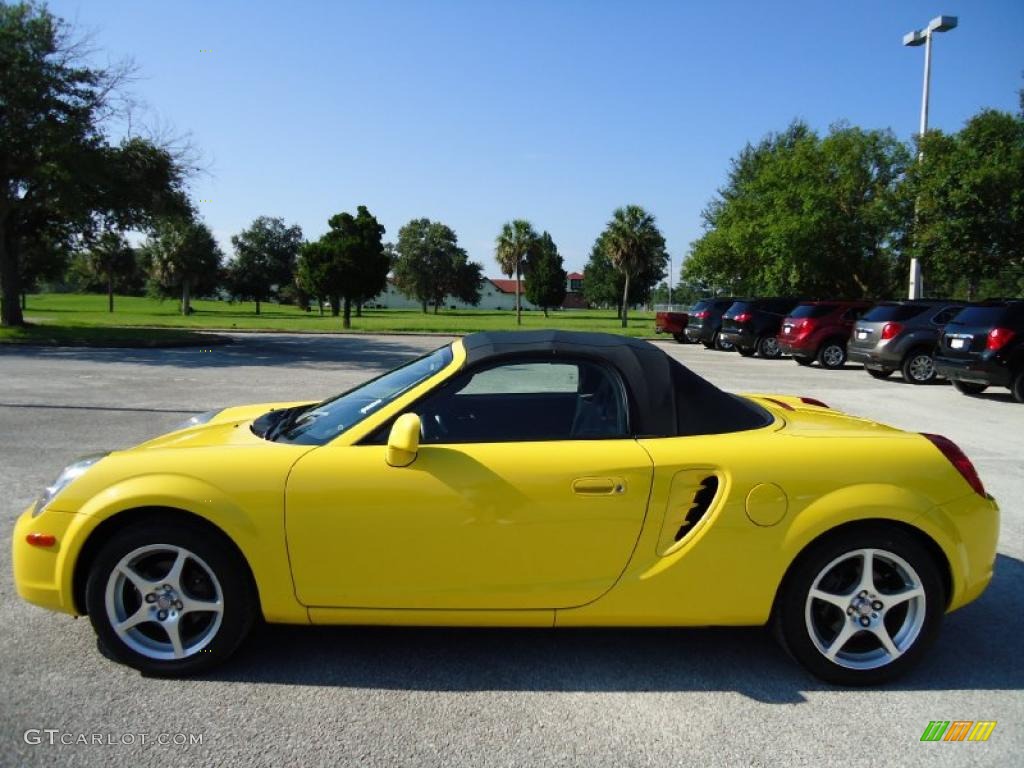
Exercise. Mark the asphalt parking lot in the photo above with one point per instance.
(417, 697)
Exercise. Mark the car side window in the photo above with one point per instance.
(946, 315)
(527, 400)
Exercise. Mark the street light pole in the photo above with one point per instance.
(913, 39)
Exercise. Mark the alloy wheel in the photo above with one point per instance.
(164, 602)
(865, 609)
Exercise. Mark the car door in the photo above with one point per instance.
(527, 492)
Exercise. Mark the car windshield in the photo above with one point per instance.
(318, 424)
(887, 312)
(812, 310)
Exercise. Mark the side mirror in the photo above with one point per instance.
(404, 440)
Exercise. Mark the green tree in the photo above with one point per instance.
(604, 285)
(633, 244)
(804, 215)
(348, 265)
(969, 192)
(184, 257)
(110, 256)
(430, 265)
(59, 174)
(265, 258)
(511, 249)
(545, 275)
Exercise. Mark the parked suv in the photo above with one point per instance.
(752, 325)
(901, 336)
(705, 323)
(820, 330)
(983, 346)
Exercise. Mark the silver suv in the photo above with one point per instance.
(901, 335)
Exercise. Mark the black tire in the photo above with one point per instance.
(768, 348)
(680, 337)
(969, 387)
(918, 366)
(1017, 386)
(205, 642)
(832, 354)
(876, 373)
(721, 344)
(796, 616)
(746, 351)
(801, 360)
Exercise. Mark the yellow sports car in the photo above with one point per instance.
(531, 479)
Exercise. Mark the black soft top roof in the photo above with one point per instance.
(666, 398)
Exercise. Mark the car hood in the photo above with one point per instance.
(228, 427)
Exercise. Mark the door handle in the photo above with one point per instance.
(598, 486)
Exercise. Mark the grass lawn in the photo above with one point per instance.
(80, 311)
(100, 336)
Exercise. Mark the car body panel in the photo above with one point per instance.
(919, 331)
(963, 352)
(835, 320)
(518, 534)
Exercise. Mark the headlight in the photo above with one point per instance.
(197, 420)
(68, 475)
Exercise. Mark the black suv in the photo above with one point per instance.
(752, 325)
(706, 322)
(983, 346)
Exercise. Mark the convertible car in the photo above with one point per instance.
(536, 479)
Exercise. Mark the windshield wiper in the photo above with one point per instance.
(286, 422)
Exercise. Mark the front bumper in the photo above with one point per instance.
(976, 370)
(42, 574)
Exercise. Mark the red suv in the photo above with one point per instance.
(819, 330)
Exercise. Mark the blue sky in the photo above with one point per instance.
(477, 112)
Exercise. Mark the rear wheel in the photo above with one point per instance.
(878, 373)
(969, 387)
(919, 367)
(803, 360)
(169, 599)
(861, 608)
(1017, 386)
(832, 355)
(680, 337)
(746, 351)
(768, 347)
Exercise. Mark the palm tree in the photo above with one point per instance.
(633, 241)
(111, 256)
(511, 248)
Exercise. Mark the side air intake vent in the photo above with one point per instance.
(701, 504)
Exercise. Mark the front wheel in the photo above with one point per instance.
(861, 608)
(800, 360)
(969, 387)
(169, 599)
(768, 347)
(879, 373)
(746, 351)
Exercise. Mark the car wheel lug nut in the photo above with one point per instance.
(161, 615)
(877, 605)
(150, 598)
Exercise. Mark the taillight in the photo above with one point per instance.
(742, 317)
(702, 315)
(813, 401)
(998, 338)
(959, 460)
(891, 329)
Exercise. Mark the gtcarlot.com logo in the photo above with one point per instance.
(958, 730)
(57, 737)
